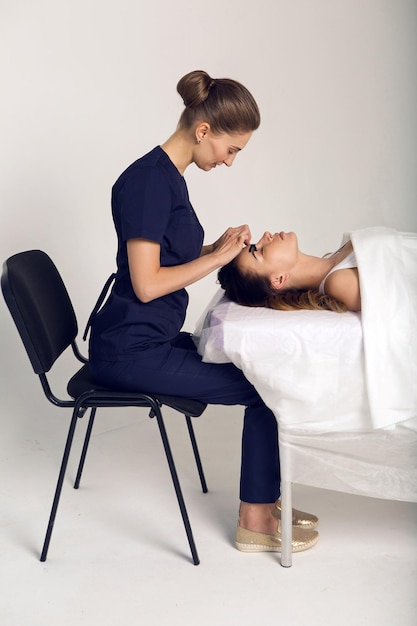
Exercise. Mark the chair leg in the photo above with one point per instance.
(196, 454)
(60, 482)
(177, 487)
(85, 447)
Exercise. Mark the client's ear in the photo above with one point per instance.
(278, 282)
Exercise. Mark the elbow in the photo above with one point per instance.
(144, 294)
(144, 299)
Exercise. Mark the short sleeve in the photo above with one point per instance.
(143, 204)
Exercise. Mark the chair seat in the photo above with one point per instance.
(82, 382)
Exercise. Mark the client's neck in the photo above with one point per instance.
(310, 271)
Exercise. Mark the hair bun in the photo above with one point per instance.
(194, 88)
(225, 104)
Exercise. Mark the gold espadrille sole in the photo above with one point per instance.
(250, 541)
(300, 519)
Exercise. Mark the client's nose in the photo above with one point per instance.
(267, 237)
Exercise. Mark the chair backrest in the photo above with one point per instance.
(40, 306)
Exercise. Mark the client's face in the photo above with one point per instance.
(272, 255)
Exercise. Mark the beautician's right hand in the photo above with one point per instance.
(231, 243)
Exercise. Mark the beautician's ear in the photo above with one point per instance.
(201, 131)
(278, 282)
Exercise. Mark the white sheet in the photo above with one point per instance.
(310, 369)
(387, 263)
(306, 365)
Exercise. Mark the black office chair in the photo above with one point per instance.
(44, 316)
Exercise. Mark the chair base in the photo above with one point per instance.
(155, 411)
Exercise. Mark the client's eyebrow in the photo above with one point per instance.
(252, 250)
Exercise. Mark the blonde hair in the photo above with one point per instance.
(224, 103)
(307, 299)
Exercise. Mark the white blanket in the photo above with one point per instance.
(387, 263)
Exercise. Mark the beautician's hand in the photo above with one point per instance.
(230, 243)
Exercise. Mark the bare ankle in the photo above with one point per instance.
(257, 517)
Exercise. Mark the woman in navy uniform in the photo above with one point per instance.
(135, 342)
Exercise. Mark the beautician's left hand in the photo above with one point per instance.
(238, 236)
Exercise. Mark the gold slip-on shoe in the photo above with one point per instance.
(299, 518)
(250, 541)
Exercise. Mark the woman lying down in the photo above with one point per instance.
(374, 272)
(275, 273)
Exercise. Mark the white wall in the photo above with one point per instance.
(89, 85)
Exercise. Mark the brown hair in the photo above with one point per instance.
(310, 299)
(249, 289)
(224, 103)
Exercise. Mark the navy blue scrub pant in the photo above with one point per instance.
(177, 369)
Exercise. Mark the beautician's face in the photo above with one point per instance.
(215, 150)
(275, 254)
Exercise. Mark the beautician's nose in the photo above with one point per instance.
(229, 160)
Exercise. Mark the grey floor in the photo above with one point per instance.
(119, 554)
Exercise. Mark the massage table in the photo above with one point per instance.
(343, 425)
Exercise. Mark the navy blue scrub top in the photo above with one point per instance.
(149, 200)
